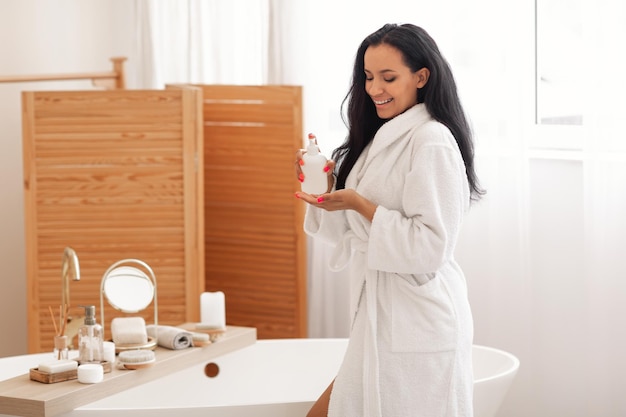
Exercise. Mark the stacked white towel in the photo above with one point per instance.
(129, 331)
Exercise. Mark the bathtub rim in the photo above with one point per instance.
(510, 371)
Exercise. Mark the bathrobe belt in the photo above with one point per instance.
(363, 283)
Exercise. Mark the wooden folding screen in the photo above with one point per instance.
(114, 175)
(255, 246)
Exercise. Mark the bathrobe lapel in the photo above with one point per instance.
(391, 132)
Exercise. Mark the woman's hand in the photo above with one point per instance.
(328, 168)
(346, 199)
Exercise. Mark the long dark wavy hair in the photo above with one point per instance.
(439, 94)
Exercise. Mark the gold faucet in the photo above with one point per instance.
(69, 267)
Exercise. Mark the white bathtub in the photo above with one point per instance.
(273, 378)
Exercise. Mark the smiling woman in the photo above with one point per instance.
(405, 179)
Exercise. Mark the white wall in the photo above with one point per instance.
(42, 37)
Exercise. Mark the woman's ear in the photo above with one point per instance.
(422, 76)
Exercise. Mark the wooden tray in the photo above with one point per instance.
(19, 396)
(47, 378)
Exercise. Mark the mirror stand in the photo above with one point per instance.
(129, 289)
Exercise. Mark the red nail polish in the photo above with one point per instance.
(297, 195)
(301, 162)
(320, 199)
(301, 177)
(326, 168)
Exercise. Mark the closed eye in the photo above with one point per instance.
(387, 80)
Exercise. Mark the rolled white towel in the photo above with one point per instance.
(129, 331)
(170, 337)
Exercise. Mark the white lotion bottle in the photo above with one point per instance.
(315, 179)
(90, 343)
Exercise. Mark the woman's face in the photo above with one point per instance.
(389, 82)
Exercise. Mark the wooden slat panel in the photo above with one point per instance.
(255, 247)
(113, 174)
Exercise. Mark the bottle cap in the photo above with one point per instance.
(312, 148)
(60, 342)
(90, 315)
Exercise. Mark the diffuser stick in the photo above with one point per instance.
(60, 319)
(54, 322)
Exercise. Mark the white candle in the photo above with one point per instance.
(212, 310)
(108, 352)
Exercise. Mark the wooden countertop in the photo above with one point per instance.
(20, 396)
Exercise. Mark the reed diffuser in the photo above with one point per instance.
(60, 339)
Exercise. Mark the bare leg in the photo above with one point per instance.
(320, 408)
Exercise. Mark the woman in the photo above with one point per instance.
(404, 180)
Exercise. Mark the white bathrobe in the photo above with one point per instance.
(409, 353)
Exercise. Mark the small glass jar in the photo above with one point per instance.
(60, 347)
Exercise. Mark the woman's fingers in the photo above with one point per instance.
(298, 164)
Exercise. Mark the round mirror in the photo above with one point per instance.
(128, 289)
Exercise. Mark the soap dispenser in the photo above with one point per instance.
(90, 343)
(315, 178)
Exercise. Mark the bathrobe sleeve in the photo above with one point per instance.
(419, 236)
(325, 225)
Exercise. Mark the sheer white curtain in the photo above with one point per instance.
(543, 251)
(605, 208)
(202, 41)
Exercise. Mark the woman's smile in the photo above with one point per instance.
(382, 102)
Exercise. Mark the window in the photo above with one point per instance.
(559, 62)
